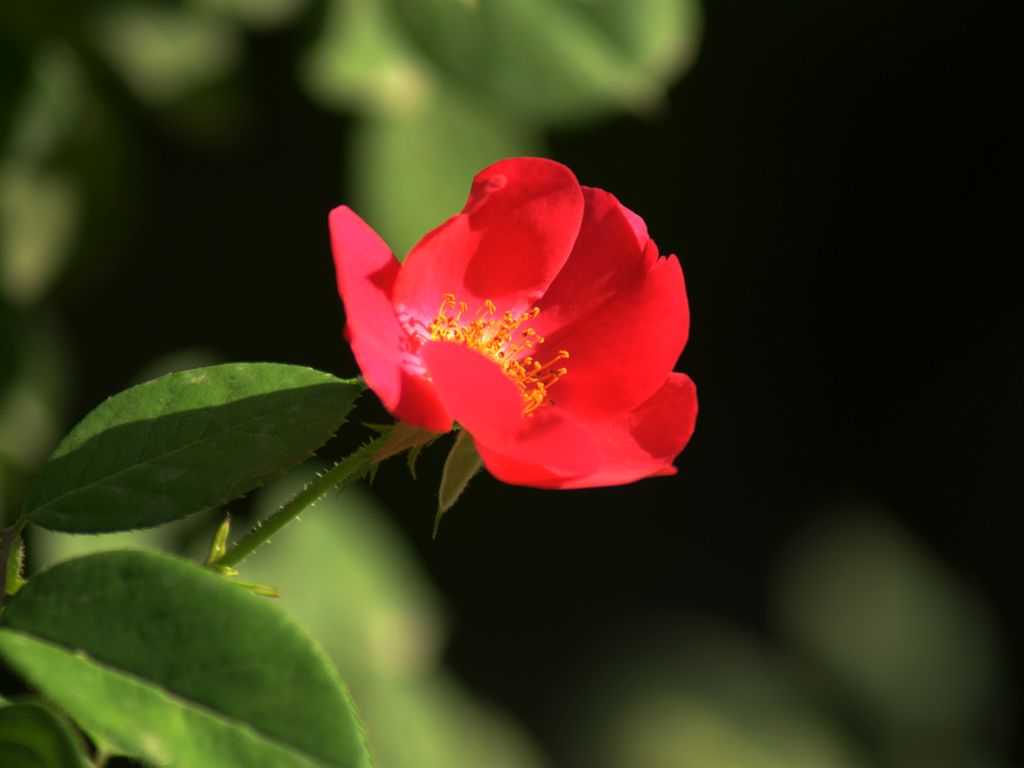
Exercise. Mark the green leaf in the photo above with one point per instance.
(460, 467)
(31, 736)
(413, 168)
(555, 60)
(186, 442)
(167, 662)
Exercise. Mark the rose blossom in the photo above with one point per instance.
(541, 319)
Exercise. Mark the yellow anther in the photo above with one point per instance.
(493, 337)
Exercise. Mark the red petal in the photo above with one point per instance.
(619, 311)
(644, 442)
(638, 224)
(489, 406)
(621, 350)
(640, 444)
(517, 472)
(366, 271)
(513, 236)
(609, 253)
(419, 405)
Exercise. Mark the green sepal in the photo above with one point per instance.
(462, 464)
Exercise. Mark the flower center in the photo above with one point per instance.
(503, 339)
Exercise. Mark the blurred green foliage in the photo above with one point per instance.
(33, 736)
(550, 61)
(695, 694)
(883, 659)
(164, 52)
(373, 609)
(448, 86)
(411, 166)
(916, 650)
(40, 197)
(361, 61)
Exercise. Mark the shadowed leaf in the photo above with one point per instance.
(186, 442)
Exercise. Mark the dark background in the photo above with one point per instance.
(827, 173)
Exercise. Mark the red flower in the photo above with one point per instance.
(541, 319)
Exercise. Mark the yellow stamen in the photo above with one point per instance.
(495, 336)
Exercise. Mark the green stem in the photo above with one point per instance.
(345, 472)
